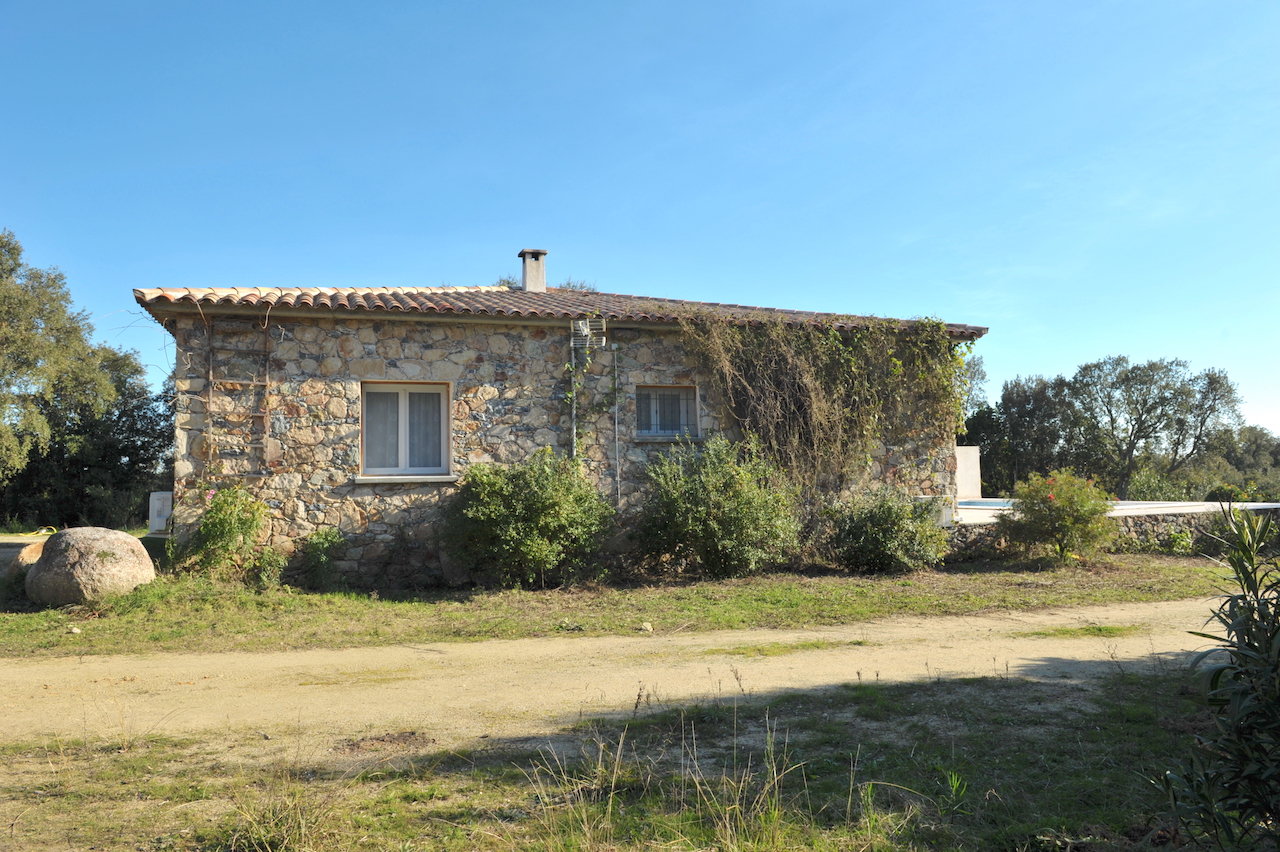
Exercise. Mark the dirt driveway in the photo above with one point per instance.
(461, 694)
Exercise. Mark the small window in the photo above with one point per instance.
(404, 428)
(666, 411)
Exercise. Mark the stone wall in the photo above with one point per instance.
(297, 437)
(1135, 533)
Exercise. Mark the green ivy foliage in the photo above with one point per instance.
(885, 531)
(1062, 511)
(531, 523)
(718, 509)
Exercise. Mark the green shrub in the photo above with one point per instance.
(1150, 484)
(1228, 792)
(719, 510)
(1225, 492)
(531, 523)
(1062, 511)
(224, 541)
(319, 550)
(885, 531)
(267, 568)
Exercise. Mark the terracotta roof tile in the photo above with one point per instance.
(495, 301)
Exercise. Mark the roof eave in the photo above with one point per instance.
(162, 307)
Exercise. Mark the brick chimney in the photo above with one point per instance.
(533, 278)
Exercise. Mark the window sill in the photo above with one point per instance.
(668, 439)
(407, 479)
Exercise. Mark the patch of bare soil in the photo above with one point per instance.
(386, 743)
(456, 695)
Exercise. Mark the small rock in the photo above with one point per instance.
(646, 628)
(22, 563)
(74, 630)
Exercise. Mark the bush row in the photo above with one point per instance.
(719, 509)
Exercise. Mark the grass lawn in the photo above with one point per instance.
(197, 615)
(970, 764)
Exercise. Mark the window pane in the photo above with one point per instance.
(669, 411)
(644, 410)
(381, 430)
(666, 411)
(424, 430)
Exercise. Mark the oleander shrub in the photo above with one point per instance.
(1063, 512)
(885, 531)
(530, 524)
(719, 508)
(1228, 794)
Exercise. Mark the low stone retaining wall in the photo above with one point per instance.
(1137, 533)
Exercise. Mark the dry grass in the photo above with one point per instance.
(978, 764)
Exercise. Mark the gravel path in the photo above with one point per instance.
(461, 694)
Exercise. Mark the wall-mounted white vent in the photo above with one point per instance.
(587, 333)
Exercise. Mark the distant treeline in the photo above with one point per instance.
(1149, 431)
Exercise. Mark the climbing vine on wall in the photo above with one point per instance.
(819, 398)
(585, 407)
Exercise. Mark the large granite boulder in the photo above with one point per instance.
(87, 564)
(22, 562)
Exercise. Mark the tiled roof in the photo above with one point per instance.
(494, 300)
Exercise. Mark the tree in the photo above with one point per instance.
(1034, 428)
(98, 467)
(1251, 450)
(1157, 407)
(1111, 418)
(45, 357)
(1210, 406)
(973, 391)
(986, 429)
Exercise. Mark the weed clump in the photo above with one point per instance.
(1062, 511)
(532, 523)
(720, 510)
(319, 552)
(885, 531)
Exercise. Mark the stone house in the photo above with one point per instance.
(360, 407)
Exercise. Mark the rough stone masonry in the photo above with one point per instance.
(508, 386)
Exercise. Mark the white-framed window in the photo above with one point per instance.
(404, 429)
(666, 411)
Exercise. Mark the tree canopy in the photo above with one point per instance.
(1111, 419)
(45, 357)
(82, 438)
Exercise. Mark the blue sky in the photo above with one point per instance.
(1085, 178)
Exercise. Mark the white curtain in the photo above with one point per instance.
(424, 430)
(382, 430)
